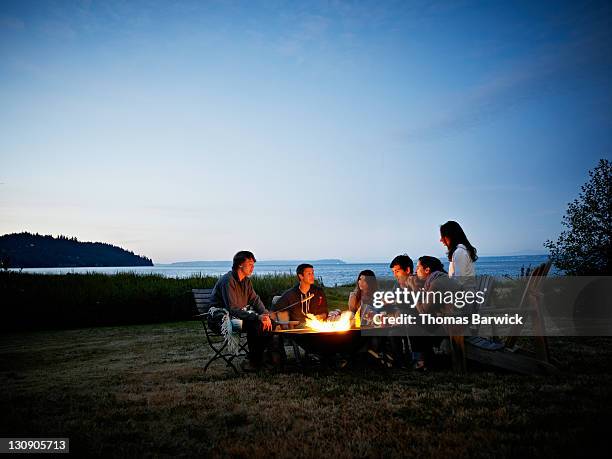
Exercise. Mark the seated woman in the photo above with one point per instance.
(361, 299)
(360, 303)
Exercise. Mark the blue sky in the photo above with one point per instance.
(191, 130)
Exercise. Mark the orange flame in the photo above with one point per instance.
(343, 323)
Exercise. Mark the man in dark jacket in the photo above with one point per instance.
(431, 272)
(310, 299)
(234, 292)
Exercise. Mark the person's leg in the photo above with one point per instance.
(422, 349)
(379, 350)
(375, 343)
(277, 350)
(397, 350)
(419, 343)
(236, 325)
(256, 339)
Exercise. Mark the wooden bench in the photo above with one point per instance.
(216, 342)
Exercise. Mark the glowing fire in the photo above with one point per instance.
(343, 323)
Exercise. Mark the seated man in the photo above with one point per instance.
(305, 297)
(403, 271)
(431, 272)
(234, 292)
(402, 268)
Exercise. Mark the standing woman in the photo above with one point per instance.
(461, 253)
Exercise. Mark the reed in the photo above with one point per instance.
(48, 301)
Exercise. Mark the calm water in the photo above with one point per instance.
(331, 274)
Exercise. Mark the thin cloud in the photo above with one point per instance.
(552, 69)
(310, 29)
(11, 23)
(58, 30)
(500, 188)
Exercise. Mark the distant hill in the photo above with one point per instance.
(326, 261)
(26, 250)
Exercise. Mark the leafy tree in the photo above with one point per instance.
(585, 248)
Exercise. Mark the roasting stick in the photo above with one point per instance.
(309, 297)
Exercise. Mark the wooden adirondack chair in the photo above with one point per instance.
(511, 357)
(484, 283)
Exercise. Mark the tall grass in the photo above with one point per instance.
(42, 301)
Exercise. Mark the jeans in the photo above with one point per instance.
(236, 325)
(257, 340)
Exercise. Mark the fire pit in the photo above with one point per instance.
(325, 342)
(327, 337)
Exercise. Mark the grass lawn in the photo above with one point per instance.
(140, 390)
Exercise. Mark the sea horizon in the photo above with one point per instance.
(329, 273)
(333, 260)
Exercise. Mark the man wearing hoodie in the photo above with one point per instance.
(305, 296)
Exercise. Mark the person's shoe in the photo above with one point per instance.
(248, 367)
(379, 358)
(445, 347)
(374, 354)
(341, 363)
(313, 359)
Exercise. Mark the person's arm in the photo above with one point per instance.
(424, 308)
(442, 284)
(321, 309)
(254, 299)
(413, 283)
(282, 302)
(352, 301)
(263, 315)
(429, 307)
(461, 261)
(231, 300)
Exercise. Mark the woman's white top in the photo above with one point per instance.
(461, 265)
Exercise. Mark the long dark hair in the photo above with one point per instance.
(371, 281)
(454, 232)
(434, 264)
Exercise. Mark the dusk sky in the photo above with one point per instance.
(300, 130)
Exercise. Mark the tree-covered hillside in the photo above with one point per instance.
(26, 250)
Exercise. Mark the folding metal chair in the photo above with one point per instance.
(216, 340)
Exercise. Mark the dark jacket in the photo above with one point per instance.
(438, 281)
(235, 295)
(317, 305)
